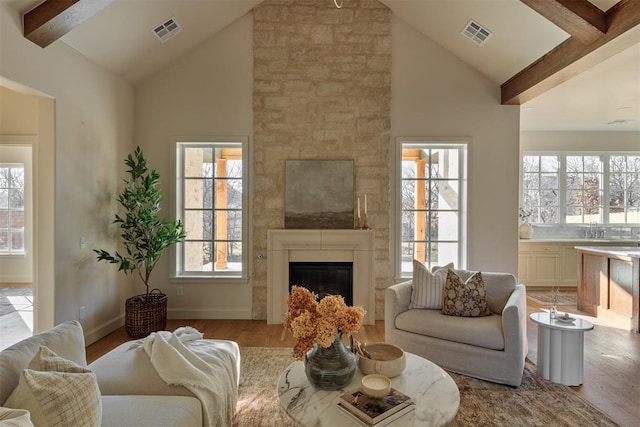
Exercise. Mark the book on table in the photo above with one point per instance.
(359, 421)
(375, 411)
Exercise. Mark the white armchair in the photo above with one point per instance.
(491, 348)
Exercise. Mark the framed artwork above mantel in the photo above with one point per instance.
(319, 194)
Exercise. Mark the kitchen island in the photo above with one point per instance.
(609, 283)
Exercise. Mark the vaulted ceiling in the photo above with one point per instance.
(598, 89)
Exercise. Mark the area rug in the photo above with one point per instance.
(535, 403)
(546, 298)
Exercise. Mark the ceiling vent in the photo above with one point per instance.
(167, 29)
(476, 32)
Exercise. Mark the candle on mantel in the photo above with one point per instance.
(365, 203)
(358, 207)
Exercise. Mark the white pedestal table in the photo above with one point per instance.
(561, 348)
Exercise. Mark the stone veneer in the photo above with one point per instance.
(322, 90)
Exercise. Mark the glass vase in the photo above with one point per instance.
(555, 297)
(330, 368)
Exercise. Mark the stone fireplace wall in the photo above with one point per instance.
(322, 90)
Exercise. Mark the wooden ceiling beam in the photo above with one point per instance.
(52, 19)
(580, 18)
(568, 58)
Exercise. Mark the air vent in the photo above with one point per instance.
(167, 29)
(476, 33)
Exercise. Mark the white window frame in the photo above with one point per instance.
(179, 275)
(8, 209)
(562, 177)
(464, 145)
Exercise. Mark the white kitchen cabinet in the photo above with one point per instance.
(569, 265)
(524, 263)
(547, 264)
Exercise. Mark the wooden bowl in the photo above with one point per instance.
(376, 385)
(386, 359)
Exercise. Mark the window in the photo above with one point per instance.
(624, 189)
(432, 204)
(579, 188)
(584, 189)
(211, 201)
(541, 187)
(12, 216)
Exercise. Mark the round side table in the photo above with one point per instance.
(561, 348)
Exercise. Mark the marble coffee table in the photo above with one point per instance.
(436, 395)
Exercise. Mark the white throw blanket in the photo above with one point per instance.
(209, 376)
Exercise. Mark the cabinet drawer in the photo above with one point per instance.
(546, 248)
(524, 247)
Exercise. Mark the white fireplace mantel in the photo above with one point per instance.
(284, 246)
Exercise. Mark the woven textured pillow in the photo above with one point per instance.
(46, 360)
(15, 418)
(466, 299)
(62, 394)
(427, 286)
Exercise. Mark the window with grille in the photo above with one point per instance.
(624, 189)
(211, 202)
(541, 188)
(579, 188)
(432, 200)
(12, 217)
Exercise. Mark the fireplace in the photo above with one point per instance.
(319, 246)
(323, 278)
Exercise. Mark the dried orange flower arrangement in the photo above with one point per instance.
(320, 322)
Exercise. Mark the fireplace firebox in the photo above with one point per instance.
(350, 246)
(323, 278)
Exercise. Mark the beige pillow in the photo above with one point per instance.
(10, 417)
(62, 394)
(466, 299)
(46, 360)
(427, 286)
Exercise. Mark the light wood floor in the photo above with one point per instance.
(611, 368)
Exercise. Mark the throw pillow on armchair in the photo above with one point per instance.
(465, 298)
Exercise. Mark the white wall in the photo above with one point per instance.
(207, 92)
(580, 141)
(93, 124)
(434, 94)
(18, 134)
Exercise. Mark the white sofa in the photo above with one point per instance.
(491, 348)
(132, 393)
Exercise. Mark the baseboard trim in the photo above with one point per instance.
(16, 280)
(196, 313)
(103, 330)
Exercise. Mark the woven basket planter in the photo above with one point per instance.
(145, 314)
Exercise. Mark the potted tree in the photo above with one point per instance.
(144, 238)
